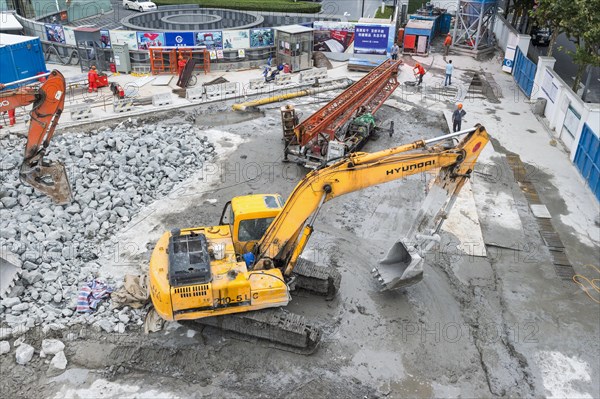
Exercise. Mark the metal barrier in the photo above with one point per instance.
(257, 83)
(159, 100)
(284, 79)
(311, 75)
(140, 69)
(223, 90)
(194, 94)
(123, 105)
(79, 112)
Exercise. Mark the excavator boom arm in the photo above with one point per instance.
(48, 103)
(359, 171)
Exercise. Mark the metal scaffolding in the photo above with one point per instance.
(474, 25)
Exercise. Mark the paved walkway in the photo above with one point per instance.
(109, 20)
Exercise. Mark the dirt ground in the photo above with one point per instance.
(500, 325)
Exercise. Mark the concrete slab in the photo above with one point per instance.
(500, 222)
(140, 82)
(540, 211)
(463, 223)
(162, 80)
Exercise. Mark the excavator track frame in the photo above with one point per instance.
(283, 330)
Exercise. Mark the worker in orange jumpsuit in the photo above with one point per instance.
(92, 79)
(180, 65)
(447, 44)
(420, 72)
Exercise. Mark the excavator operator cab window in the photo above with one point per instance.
(253, 229)
(227, 215)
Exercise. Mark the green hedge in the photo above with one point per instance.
(251, 5)
(414, 5)
(387, 12)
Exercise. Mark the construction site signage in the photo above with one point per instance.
(212, 40)
(105, 39)
(55, 33)
(124, 37)
(180, 39)
(333, 37)
(150, 39)
(373, 39)
(235, 39)
(261, 37)
(69, 36)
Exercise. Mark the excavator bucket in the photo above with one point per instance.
(401, 267)
(10, 269)
(49, 178)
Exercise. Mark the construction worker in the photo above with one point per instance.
(447, 44)
(92, 79)
(420, 71)
(457, 116)
(449, 70)
(395, 51)
(180, 65)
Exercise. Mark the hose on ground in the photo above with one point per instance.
(73, 54)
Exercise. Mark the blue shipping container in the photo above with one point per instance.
(436, 23)
(20, 57)
(445, 23)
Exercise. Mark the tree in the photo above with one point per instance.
(520, 13)
(554, 14)
(580, 21)
(583, 27)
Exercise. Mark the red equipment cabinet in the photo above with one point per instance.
(409, 41)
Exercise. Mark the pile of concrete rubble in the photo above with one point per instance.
(114, 172)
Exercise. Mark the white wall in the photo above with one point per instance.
(505, 34)
(561, 102)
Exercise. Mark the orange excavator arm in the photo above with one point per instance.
(48, 102)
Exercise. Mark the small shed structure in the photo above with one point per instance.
(294, 44)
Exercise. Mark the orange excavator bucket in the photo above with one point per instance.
(49, 178)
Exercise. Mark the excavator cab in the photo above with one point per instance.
(249, 217)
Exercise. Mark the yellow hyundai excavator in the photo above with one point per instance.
(251, 259)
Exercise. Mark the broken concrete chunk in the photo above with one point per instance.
(52, 346)
(21, 307)
(24, 353)
(58, 364)
(104, 325)
(9, 202)
(31, 277)
(4, 347)
(10, 302)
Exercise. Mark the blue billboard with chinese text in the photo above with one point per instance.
(373, 39)
(179, 39)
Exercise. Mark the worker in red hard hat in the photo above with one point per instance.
(180, 65)
(457, 116)
(420, 72)
(447, 44)
(92, 79)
